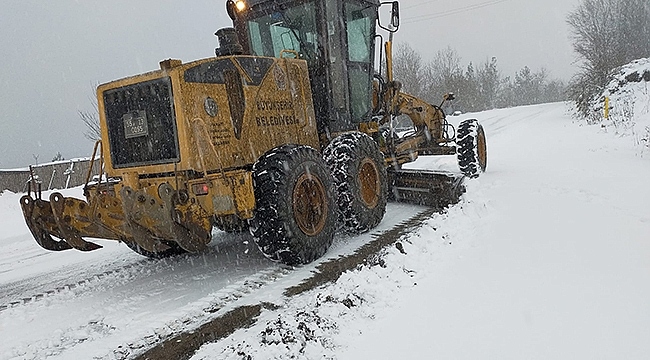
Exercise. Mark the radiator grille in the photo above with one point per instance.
(141, 124)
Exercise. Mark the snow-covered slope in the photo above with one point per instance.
(545, 258)
(629, 96)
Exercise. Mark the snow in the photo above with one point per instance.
(629, 96)
(546, 257)
(555, 264)
(112, 303)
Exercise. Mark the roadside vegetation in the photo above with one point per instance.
(477, 87)
(606, 34)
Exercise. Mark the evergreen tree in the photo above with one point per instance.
(488, 79)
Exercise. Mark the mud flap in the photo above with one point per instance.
(436, 189)
(41, 223)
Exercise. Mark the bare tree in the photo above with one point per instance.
(444, 75)
(428, 81)
(409, 69)
(91, 120)
(606, 34)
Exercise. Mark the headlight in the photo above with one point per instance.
(240, 5)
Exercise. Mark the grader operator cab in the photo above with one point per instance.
(287, 132)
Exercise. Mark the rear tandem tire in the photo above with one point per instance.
(471, 148)
(359, 173)
(295, 215)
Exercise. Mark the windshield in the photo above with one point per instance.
(293, 28)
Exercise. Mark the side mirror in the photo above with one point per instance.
(447, 97)
(388, 21)
(394, 15)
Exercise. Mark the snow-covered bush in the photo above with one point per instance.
(629, 103)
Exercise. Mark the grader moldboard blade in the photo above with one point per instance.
(437, 189)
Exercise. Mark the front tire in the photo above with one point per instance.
(295, 216)
(471, 148)
(359, 173)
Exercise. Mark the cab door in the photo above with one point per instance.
(360, 21)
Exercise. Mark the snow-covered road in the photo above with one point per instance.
(547, 257)
(558, 266)
(111, 302)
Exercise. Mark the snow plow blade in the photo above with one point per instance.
(437, 189)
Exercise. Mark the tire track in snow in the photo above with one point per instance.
(211, 305)
(121, 342)
(130, 270)
(183, 344)
(225, 247)
(192, 316)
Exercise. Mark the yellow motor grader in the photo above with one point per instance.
(286, 132)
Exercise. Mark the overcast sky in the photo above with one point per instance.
(54, 53)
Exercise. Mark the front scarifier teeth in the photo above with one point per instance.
(151, 219)
(38, 214)
(68, 232)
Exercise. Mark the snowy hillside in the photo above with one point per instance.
(629, 96)
(546, 257)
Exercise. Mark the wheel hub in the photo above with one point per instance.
(481, 149)
(370, 186)
(310, 204)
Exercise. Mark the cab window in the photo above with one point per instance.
(293, 28)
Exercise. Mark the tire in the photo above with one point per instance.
(471, 148)
(174, 249)
(231, 224)
(295, 215)
(359, 174)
